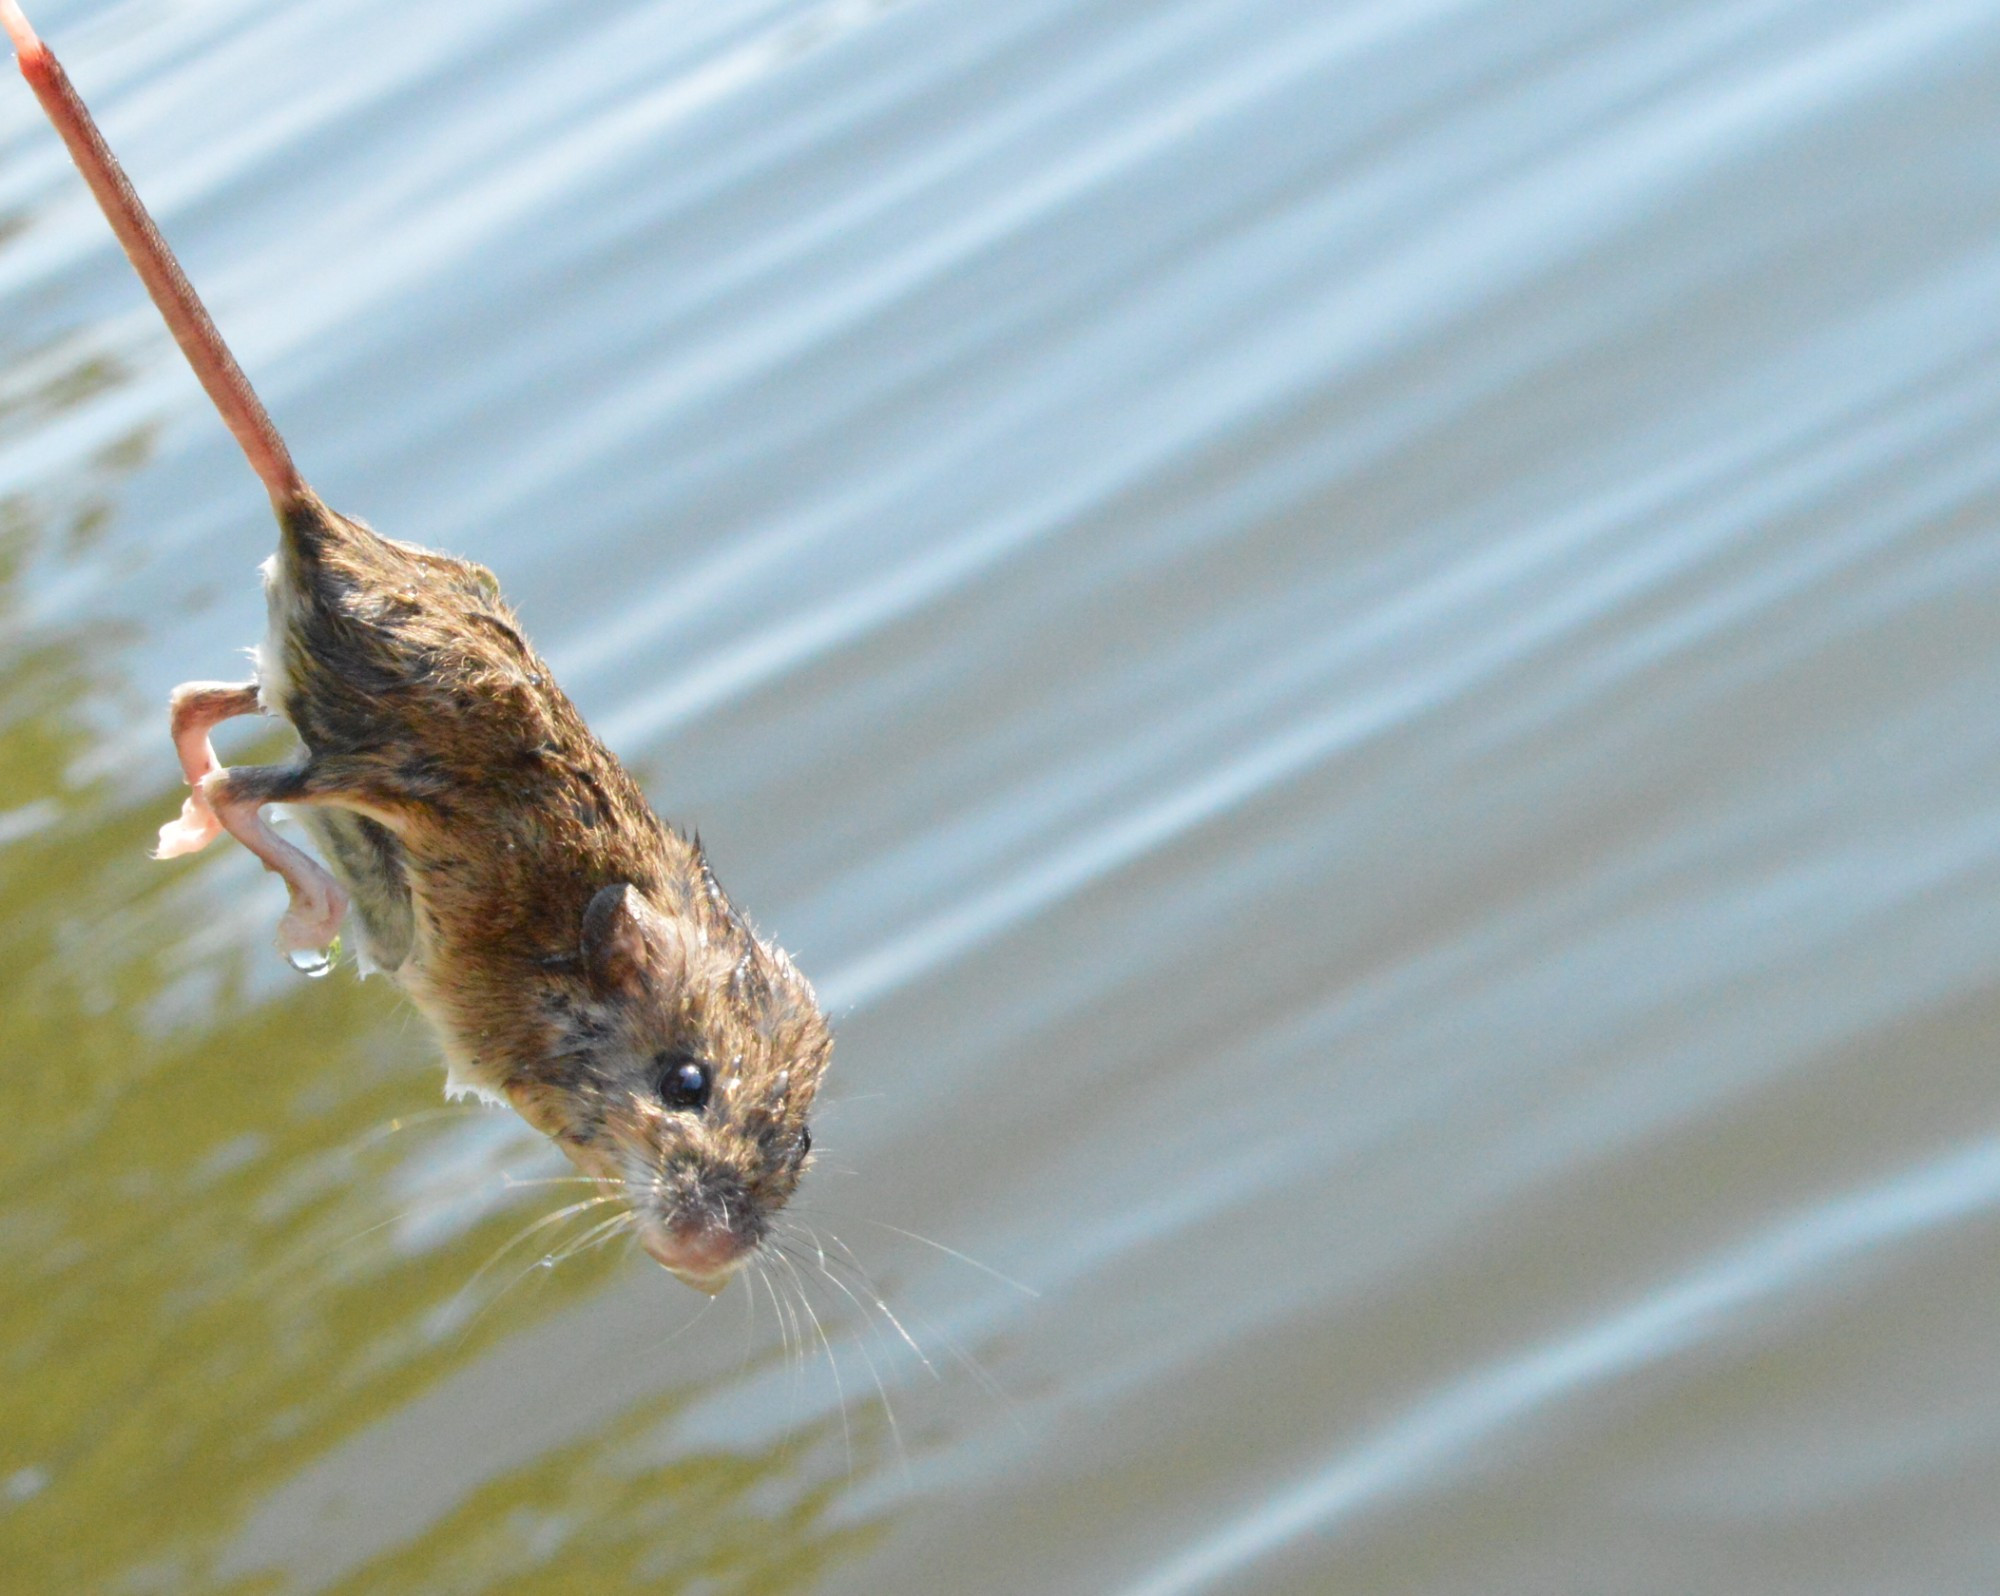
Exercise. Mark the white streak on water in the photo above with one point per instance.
(1479, 604)
(1423, 1444)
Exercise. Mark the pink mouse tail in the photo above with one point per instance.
(187, 318)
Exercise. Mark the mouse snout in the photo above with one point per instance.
(700, 1250)
(703, 1227)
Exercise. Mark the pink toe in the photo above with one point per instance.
(308, 927)
(194, 830)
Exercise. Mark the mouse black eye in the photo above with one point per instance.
(805, 1143)
(684, 1081)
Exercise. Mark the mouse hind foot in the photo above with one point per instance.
(192, 712)
(236, 798)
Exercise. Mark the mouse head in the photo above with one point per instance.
(681, 1072)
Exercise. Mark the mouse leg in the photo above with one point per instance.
(237, 798)
(192, 712)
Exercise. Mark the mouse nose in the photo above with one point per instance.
(703, 1254)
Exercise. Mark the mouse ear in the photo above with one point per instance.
(627, 944)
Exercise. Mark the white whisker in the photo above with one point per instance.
(964, 1258)
(539, 1225)
(875, 1296)
(833, 1363)
(596, 1236)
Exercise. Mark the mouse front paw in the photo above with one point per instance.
(194, 830)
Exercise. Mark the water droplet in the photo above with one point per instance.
(312, 962)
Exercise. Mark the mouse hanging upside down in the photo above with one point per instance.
(576, 956)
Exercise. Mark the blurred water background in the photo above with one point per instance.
(1357, 640)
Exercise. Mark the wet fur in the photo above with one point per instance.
(473, 817)
(480, 831)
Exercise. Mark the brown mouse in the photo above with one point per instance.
(576, 956)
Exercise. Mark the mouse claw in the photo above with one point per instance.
(312, 923)
(194, 830)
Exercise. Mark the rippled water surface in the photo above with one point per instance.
(1358, 642)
